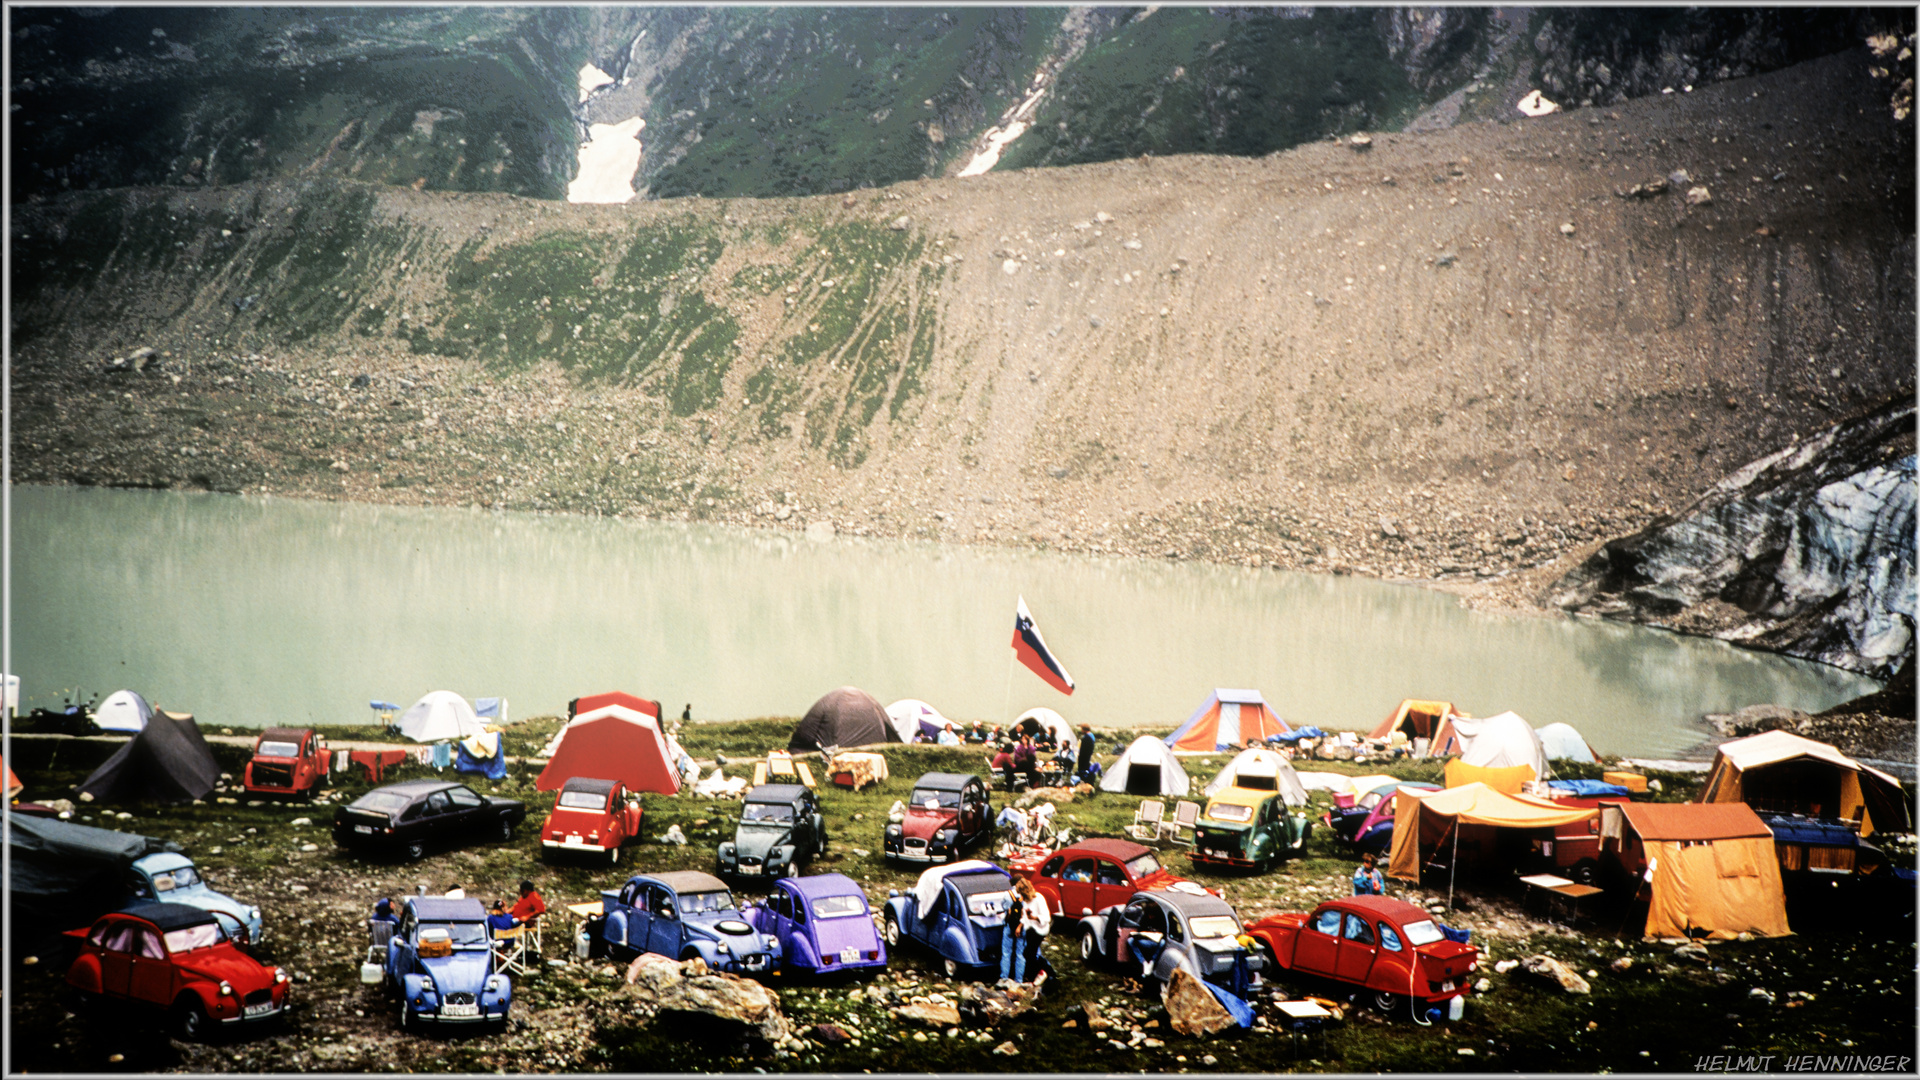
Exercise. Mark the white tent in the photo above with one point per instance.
(1147, 768)
(1263, 770)
(123, 710)
(441, 714)
(1052, 721)
(1499, 742)
(1564, 742)
(910, 716)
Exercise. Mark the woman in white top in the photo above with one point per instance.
(1036, 922)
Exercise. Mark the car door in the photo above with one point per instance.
(1357, 947)
(435, 819)
(151, 978)
(664, 931)
(469, 812)
(1143, 928)
(117, 940)
(973, 809)
(1111, 884)
(633, 899)
(400, 946)
(1077, 893)
(1317, 946)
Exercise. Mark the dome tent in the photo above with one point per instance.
(1563, 742)
(123, 710)
(1500, 742)
(167, 761)
(1261, 770)
(910, 718)
(1045, 720)
(845, 717)
(1146, 768)
(612, 742)
(441, 714)
(1228, 718)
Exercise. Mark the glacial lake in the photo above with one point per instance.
(251, 611)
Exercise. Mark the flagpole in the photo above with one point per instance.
(1006, 706)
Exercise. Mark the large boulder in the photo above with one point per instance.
(938, 1014)
(1191, 1007)
(1809, 552)
(989, 1005)
(689, 989)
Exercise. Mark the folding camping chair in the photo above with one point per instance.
(1149, 821)
(510, 950)
(1186, 816)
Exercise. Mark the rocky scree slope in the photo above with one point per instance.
(1448, 355)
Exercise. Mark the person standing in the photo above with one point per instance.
(1036, 922)
(1083, 757)
(1010, 930)
(1367, 880)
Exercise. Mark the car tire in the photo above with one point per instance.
(416, 850)
(190, 1021)
(613, 855)
(1387, 1004)
(1089, 947)
(408, 1022)
(1585, 872)
(890, 930)
(950, 966)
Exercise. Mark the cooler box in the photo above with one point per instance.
(1343, 800)
(1630, 781)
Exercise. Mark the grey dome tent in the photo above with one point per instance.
(846, 717)
(168, 762)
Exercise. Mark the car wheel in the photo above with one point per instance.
(416, 850)
(951, 966)
(190, 1019)
(1585, 872)
(408, 1022)
(613, 855)
(1089, 947)
(890, 929)
(1388, 1004)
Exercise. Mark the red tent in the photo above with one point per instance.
(613, 697)
(612, 742)
(14, 785)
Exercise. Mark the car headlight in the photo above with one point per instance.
(426, 982)
(254, 914)
(280, 975)
(493, 984)
(226, 988)
(723, 948)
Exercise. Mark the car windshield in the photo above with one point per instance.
(278, 749)
(1214, 926)
(461, 933)
(699, 902)
(833, 907)
(989, 903)
(1423, 932)
(583, 800)
(1222, 811)
(1142, 865)
(178, 878)
(189, 938)
(775, 813)
(936, 799)
(382, 802)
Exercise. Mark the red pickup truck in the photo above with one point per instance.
(287, 761)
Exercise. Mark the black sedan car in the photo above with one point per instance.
(415, 815)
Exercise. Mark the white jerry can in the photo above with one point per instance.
(1457, 1007)
(371, 971)
(583, 942)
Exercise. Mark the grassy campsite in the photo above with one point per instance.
(1840, 985)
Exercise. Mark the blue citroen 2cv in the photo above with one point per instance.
(956, 911)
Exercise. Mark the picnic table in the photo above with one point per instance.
(1555, 888)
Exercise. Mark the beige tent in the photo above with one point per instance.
(1780, 772)
(1709, 868)
(1464, 817)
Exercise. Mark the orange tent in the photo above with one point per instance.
(1429, 720)
(14, 786)
(1507, 779)
(1465, 816)
(1710, 867)
(1228, 718)
(612, 742)
(1781, 772)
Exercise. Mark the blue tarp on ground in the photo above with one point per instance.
(1241, 1012)
(493, 768)
(1297, 734)
(1588, 789)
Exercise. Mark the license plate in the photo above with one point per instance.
(849, 955)
(260, 1010)
(1447, 987)
(573, 841)
(363, 828)
(459, 1010)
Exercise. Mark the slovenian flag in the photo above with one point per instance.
(1032, 651)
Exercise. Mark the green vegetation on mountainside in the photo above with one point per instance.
(1188, 81)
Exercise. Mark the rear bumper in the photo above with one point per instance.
(561, 845)
(1204, 858)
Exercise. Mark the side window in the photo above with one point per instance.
(1112, 874)
(150, 946)
(1135, 914)
(1152, 919)
(630, 894)
(1052, 869)
(661, 901)
(119, 937)
(1389, 940)
(407, 923)
(438, 803)
(412, 812)
(138, 886)
(799, 909)
(465, 798)
(1358, 930)
(1175, 932)
(1328, 923)
(1079, 870)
